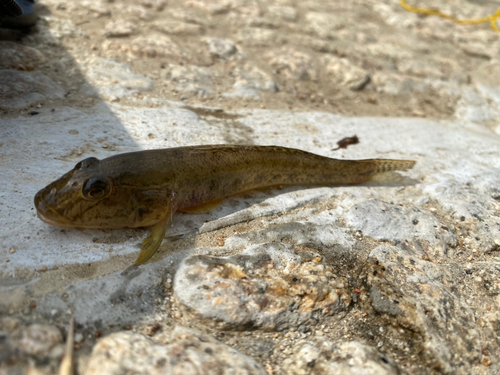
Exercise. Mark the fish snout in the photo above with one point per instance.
(44, 210)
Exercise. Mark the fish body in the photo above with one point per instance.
(145, 188)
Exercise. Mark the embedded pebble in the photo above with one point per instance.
(324, 356)
(268, 287)
(20, 89)
(178, 351)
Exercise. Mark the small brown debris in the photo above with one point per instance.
(153, 328)
(486, 361)
(347, 141)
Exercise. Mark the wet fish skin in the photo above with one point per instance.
(144, 188)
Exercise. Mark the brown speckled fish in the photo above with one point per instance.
(145, 188)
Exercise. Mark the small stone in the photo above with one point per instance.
(220, 47)
(43, 268)
(486, 361)
(212, 7)
(189, 79)
(178, 28)
(249, 81)
(139, 12)
(256, 288)
(99, 7)
(119, 29)
(293, 64)
(173, 352)
(257, 37)
(344, 73)
(396, 84)
(324, 25)
(321, 355)
(39, 339)
(285, 12)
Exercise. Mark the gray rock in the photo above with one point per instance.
(345, 73)
(316, 229)
(476, 210)
(151, 45)
(119, 29)
(113, 80)
(220, 47)
(190, 79)
(293, 64)
(389, 222)
(15, 55)
(268, 287)
(180, 351)
(324, 25)
(20, 89)
(426, 302)
(323, 356)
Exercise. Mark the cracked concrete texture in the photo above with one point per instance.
(401, 273)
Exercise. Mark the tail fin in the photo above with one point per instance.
(389, 165)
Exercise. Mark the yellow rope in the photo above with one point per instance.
(491, 19)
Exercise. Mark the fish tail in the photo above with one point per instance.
(389, 165)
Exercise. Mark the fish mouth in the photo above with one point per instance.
(47, 214)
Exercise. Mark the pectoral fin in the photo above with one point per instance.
(153, 241)
(203, 208)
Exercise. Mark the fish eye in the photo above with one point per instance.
(96, 188)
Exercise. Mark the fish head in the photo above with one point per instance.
(88, 197)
